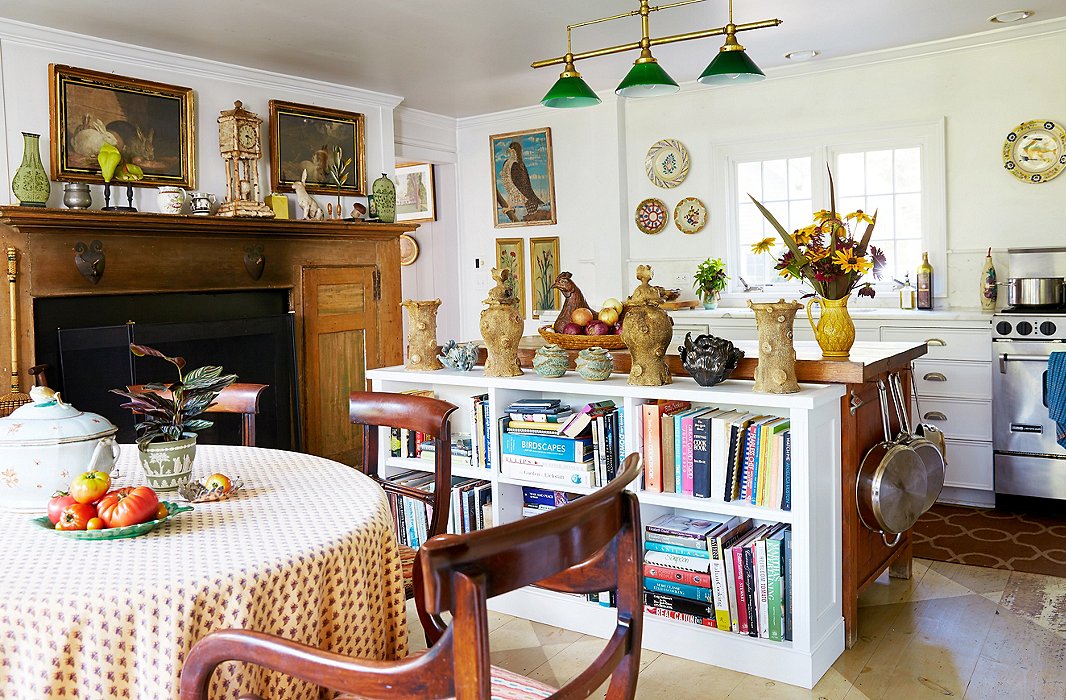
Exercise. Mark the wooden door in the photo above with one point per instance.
(340, 342)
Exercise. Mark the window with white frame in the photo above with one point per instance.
(782, 185)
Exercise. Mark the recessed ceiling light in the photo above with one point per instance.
(1011, 16)
(804, 55)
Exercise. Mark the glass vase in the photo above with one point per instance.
(30, 184)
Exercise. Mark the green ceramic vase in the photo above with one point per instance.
(385, 199)
(30, 184)
(168, 465)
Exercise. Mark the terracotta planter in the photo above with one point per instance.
(835, 331)
(168, 465)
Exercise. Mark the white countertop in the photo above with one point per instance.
(857, 313)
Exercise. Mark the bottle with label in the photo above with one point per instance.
(906, 293)
(925, 284)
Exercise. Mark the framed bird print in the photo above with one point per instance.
(523, 180)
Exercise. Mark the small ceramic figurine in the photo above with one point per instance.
(551, 361)
(308, 204)
(710, 359)
(594, 364)
(647, 332)
(776, 371)
(422, 335)
(501, 328)
(573, 299)
(461, 358)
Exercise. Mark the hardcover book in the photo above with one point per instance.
(683, 526)
(721, 581)
(665, 601)
(546, 446)
(669, 573)
(678, 561)
(681, 590)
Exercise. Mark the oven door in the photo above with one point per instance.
(1020, 421)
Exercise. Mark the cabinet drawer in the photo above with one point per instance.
(963, 420)
(969, 465)
(945, 343)
(953, 380)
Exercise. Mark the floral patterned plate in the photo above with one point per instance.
(1035, 151)
(115, 533)
(667, 163)
(651, 216)
(690, 216)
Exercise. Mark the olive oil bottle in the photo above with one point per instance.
(925, 284)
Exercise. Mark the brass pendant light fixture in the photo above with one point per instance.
(647, 78)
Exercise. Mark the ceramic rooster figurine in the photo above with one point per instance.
(572, 299)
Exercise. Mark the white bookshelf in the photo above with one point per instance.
(815, 518)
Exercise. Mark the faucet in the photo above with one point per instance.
(748, 289)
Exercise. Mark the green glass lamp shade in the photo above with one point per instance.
(570, 91)
(730, 68)
(646, 79)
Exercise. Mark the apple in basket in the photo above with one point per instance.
(581, 316)
(598, 328)
(572, 329)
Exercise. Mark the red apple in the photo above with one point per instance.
(618, 328)
(572, 329)
(581, 316)
(598, 328)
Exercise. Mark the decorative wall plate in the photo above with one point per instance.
(651, 216)
(1035, 151)
(667, 163)
(690, 216)
(408, 249)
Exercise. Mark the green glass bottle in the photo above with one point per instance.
(925, 284)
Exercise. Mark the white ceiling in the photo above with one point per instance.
(467, 57)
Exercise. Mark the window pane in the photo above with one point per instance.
(846, 205)
(775, 180)
(878, 172)
(908, 169)
(886, 219)
(799, 214)
(799, 178)
(749, 181)
(749, 223)
(849, 177)
(908, 258)
(909, 216)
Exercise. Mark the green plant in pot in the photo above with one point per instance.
(166, 433)
(710, 281)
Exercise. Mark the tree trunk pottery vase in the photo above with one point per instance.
(76, 195)
(422, 335)
(709, 359)
(168, 465)
(776, 371)
(385, 199)
(501, 329)
(834, 331)
(594, 364)
(30, 184)
(647, 331)
(459, 357)
(551, 361)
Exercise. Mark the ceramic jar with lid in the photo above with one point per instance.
(45, 444)
(594, 364)
(551, 361)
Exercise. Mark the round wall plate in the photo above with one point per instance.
(690, 215)
(651, 215)
(667, 163)
(1035, 151)
(408, 249)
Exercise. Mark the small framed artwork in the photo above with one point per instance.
(543, 269)
(304, 138)
(510, 257)
(415, 197)
(152, 125)
(523, 178)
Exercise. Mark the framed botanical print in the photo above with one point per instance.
(151, 124)
(543, 269)
(415, 197)
(523, 179)
(509, 256)
(304, 138)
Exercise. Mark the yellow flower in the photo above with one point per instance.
(764, 245)
(816, 254)
(804, 234)
(823, 215)
(847, 261)
(860, 216)
(786, 273)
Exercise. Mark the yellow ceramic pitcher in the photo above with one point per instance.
(834, 331)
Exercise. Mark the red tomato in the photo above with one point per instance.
(95, 524)
(128, 506)
(60, 500)
(218, 481)
(76, 516)
(90, 486)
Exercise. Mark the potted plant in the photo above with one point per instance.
(166, 434)
(709, 281)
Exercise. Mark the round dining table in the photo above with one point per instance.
(305, 550)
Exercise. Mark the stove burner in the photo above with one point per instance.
(1035, 310)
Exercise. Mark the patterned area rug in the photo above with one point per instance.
(993, 538)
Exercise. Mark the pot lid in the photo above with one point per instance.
(48, 419)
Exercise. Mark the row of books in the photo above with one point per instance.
(717, 453)
(733, 575)
(470, 508)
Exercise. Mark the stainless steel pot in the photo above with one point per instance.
(929, 451)
(1035, 291)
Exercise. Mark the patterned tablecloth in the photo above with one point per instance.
(304, 551)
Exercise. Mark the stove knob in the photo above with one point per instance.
(1024, 328)
(1003, 328)
(1047, 328)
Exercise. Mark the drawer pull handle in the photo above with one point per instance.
(935, 377)
(935, 415)
(935, 341)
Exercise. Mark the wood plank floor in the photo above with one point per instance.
(950, 631)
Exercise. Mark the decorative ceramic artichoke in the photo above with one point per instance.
(709, 359)
(459, 357)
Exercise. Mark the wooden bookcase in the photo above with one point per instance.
(818, 623)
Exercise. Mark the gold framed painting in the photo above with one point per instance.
(510, 256)
(304, 138)
(523, 178)
(415, 195)
(152, 125)
(543, 269)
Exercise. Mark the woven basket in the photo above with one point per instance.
(580, 342)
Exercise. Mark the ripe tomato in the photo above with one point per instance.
(95, 524)
(76, 516)
(90, 486)
(128, 506)
(60, 500)
(218, 481)
(161, 512)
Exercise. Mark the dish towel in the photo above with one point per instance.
(1056, 394)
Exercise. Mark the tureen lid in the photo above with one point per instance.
(49, 419)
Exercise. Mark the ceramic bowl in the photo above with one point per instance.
(709, 359)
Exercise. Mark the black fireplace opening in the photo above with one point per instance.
(85, 343)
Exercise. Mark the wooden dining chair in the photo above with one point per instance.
(235, 398)
(429, 416)
(590, 545)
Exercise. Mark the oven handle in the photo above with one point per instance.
(1004, 358)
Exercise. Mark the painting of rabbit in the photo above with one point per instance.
(149, 123)
(302, 139)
